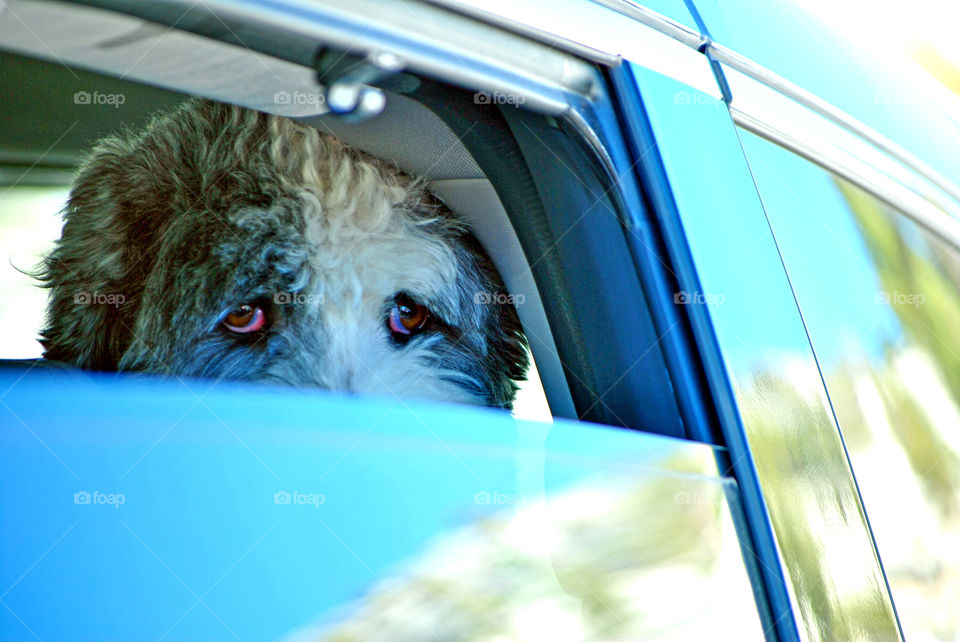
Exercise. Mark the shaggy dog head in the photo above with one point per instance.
(221, 242)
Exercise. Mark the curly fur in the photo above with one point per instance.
(212, 206)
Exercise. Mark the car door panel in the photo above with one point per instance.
(774, 410)
(136, 508)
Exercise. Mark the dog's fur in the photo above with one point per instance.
(212, 206)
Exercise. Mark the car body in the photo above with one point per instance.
(724, 232)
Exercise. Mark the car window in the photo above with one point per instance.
(29, 224)
(880, 297)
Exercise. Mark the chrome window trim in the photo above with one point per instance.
(500, 61)
(597, 31)
(661, 23)
(507, 56)
(816, 104)
(507, 23)
(777, 116)
(861, 174)
(589, 134)
(627, 8)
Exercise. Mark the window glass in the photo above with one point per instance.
(880, 297)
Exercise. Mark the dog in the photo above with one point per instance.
(225, 243)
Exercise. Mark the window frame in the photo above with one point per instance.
(781, 113)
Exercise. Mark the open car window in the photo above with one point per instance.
(29, 223)
(547, 201)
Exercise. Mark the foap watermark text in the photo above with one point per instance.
(497, 498)
(114, 299)
(98, 98)
(498, 298)
(914, 299)
(697, 298)
(297, 298)
(309, 98)
(296, 498)
(96, 498)
(498, 98)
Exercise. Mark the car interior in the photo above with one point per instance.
(538, 193)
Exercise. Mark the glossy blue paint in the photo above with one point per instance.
(774, 410)
(803, 201)
(880, 305)
(663, 113)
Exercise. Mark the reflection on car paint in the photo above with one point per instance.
(644, 556)
(882, 309)
(836, 584)
(382, 520)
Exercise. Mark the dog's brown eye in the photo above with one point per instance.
(246, 318)
(407, 317)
